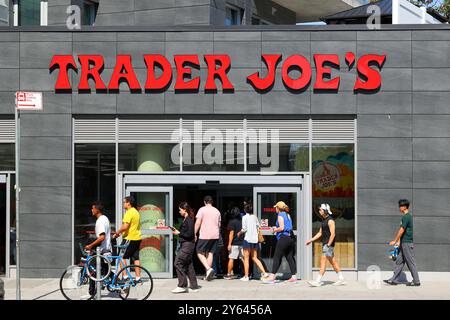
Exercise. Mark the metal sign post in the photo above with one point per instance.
(17, 189)
(24, 101)
(98, 274)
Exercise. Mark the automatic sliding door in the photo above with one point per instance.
(155, 208)
(266, 198)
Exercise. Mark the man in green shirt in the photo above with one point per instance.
(405, 241)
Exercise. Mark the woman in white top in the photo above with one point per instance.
(250, 226)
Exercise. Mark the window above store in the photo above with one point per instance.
(234, 16)
(89, 9)
(30, 12)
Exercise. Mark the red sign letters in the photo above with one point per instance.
(218, 65)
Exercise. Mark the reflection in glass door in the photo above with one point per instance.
(266, 198)
(155, 206)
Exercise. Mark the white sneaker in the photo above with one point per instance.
(192, 290)
(209, 274)
(315, 283)
(179, 290)
(245, 279)
(339, 283)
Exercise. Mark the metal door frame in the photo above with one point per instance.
(277, 182)
(303, 227)
(7, 181)
(158, 189)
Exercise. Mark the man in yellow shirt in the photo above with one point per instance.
(131, 229)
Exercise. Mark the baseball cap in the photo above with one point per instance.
(326, 206)
(280, 205)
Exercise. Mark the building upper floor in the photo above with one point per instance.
(168, 12)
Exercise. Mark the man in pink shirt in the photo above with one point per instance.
(208, 222)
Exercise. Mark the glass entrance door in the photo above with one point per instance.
(265, 199)
(155, 207)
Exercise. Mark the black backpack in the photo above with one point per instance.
(291, 232)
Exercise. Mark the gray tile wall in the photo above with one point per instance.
(187, 12)
(57, 12)
(265, 10)
(403, 130)
(46, 151)
(153, 13)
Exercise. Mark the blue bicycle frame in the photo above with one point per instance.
(109, 283)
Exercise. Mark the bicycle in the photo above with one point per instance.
(75, 280)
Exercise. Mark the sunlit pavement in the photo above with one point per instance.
(48, 289)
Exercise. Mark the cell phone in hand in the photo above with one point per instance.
(172, 228)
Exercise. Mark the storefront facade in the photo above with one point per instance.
(244, 125)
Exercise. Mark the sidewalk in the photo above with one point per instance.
(48, 289)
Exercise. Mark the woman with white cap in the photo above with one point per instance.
(285, 244)
(327, 233)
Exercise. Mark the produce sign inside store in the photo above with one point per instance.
(160, 72)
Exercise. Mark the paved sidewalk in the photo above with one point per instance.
(48, 289)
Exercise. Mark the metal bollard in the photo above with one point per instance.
(98, 284)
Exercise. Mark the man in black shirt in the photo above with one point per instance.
(234, 242)
(328, 235)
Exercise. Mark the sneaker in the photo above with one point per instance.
(315, 283)
(179, 290)
(209, 275)
(192, 290)
(228, 277)
(292, 280)
(339, 283)
(392, 283)
(413, 284)
(265, 281)
(245, 279)
(270, 278)
(264, 277)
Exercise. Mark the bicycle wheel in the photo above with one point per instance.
(92, 266)
(74, 285)
(132, 289)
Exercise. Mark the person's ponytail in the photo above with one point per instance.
(184, 205)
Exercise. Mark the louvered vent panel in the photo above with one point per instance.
(7, 131)
(333, 130)
(288, 130)
(95, 130)
(154, 130)
(226, 130)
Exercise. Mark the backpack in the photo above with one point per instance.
(291, 232)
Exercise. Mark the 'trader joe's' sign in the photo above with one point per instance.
(367, 78)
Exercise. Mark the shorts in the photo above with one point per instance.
(327, 251)
(132, 251)
(249, 245)
(236, 252)
(207, 245)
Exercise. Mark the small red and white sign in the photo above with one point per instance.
(29, 100)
